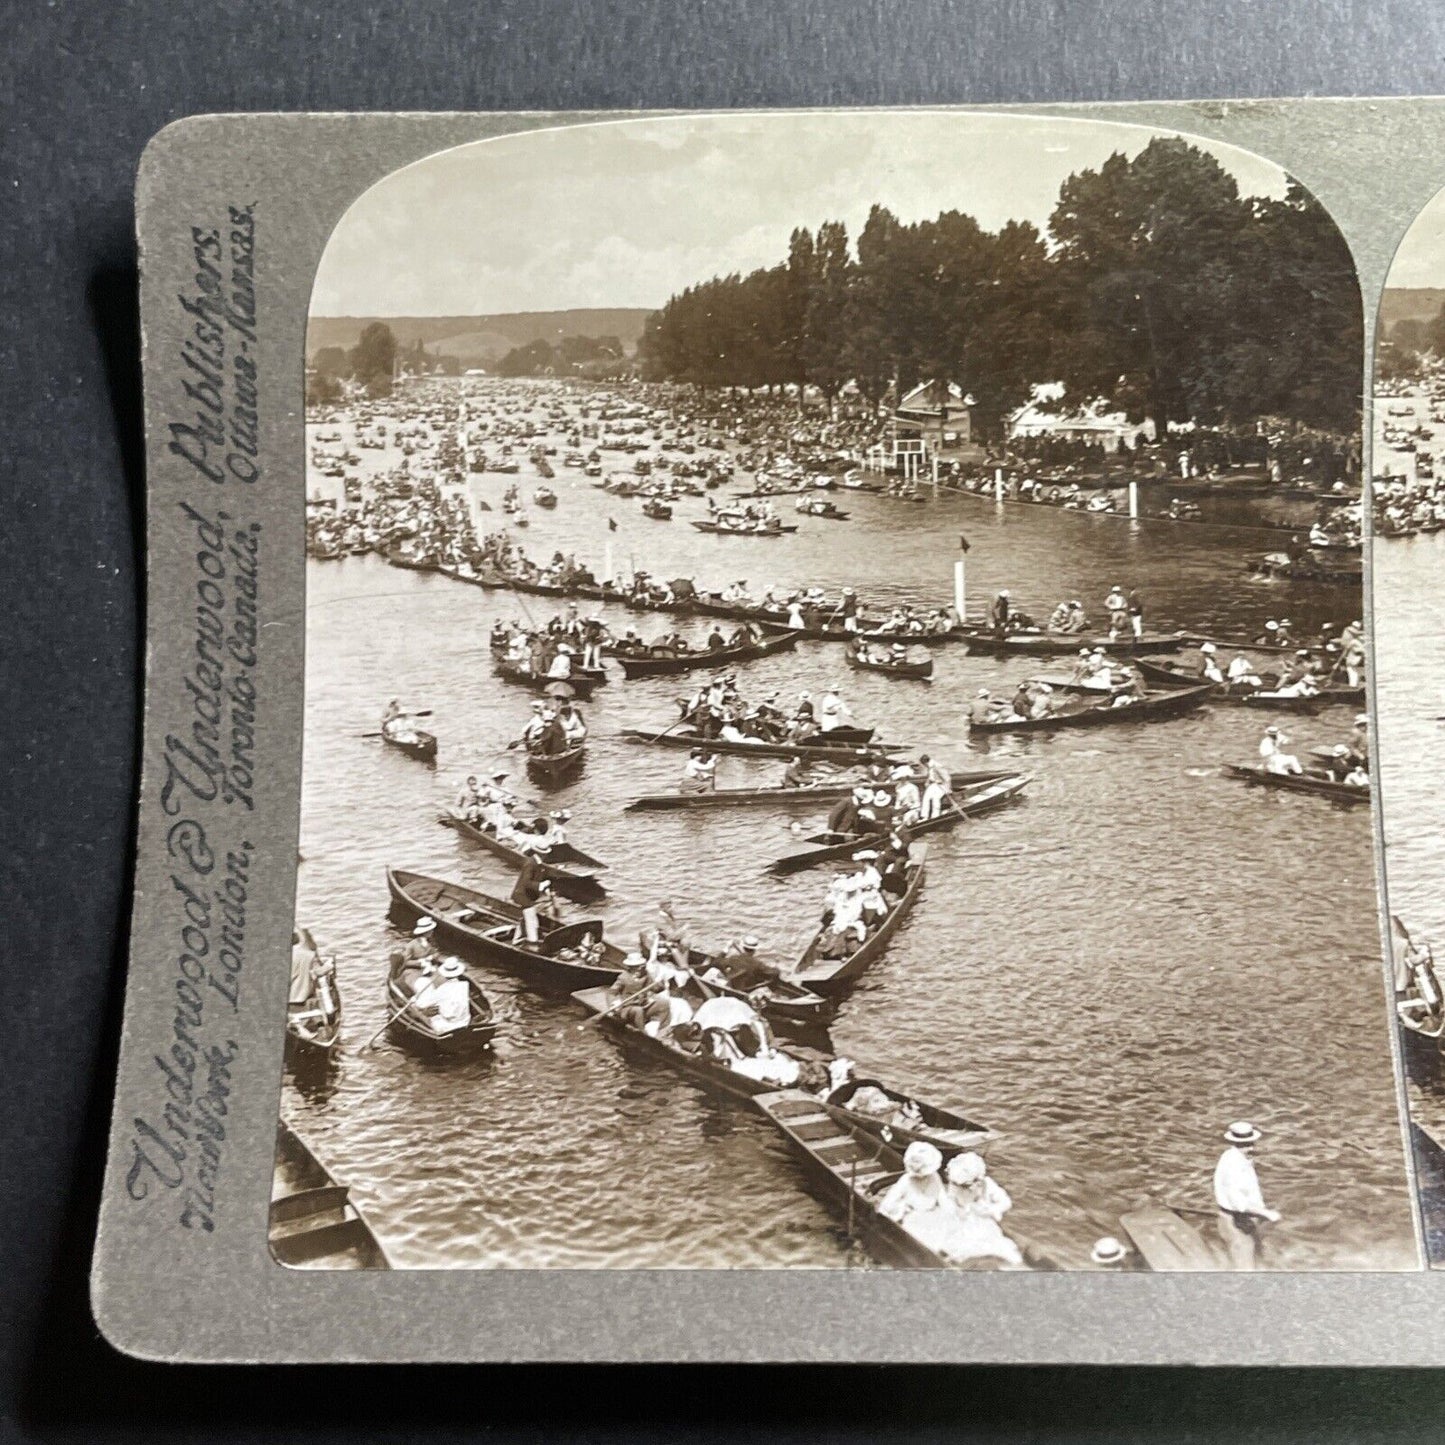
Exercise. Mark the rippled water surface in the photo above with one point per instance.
(1171, 950)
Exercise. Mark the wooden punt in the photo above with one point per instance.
(847, 755)
(314, 1223)
(922, 670)
(566, 868)
(1149, 709)
(780, 797)
(1308, 782)
(834, 975)
(667, 664)
(852, 1169)
(1044, 644)
(825, 847)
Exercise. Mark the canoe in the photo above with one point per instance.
(314, 1223)
(1168, 672)
(566, 868)
(939, 1126)
(691, 739)
(424, 749)
(552, 767)
(833, 975)
(1315, 783)
(852, 1169)
(482, 927)
(1041, 643)
(1149, 709)
(859, 663)
(582, 683)
(825, 847)
(409, 1027)
(776, 797)
(666, 664)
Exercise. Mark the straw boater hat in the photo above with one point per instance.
(1241, 1132)
(1108, 1250)
(423, 927)
(921, 1159)
(452, 968)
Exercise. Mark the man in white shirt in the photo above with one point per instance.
(1237, 1194)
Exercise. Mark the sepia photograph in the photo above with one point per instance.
(836, 724)
(1408, 567)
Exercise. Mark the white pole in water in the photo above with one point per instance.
(1133, 501)
(958, 588)
(998, 484)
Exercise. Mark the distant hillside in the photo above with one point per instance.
(1418, 303)
(482, 339)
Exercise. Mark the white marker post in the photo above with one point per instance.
(1133, 501)
(958, 589)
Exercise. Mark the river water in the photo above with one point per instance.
(1169, 951)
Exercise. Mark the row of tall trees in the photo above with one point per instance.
(1157, 289)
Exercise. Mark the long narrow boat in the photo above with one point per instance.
(778, 797)
(424, 749)
(853, 1168)
(1041, 643)
(668, 663)
(582, 683)
(1169, 672)
(411, 1027)
(939, 1126)
(314, 1223)
(846, 755)
(1101, 714)
(825, 847)
(834, 975)
(566, 868)
(855, 659)
(566, 957)
(313, 1027)
(554, 767)
(1315, 783)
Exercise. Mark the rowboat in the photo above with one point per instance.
(424, 749)
(581, 681)
(852, 1169)
(833, 975)
(776, 797)
(825, 847)
(666, 664)
(563, 867)
(553, 767)
(1037, 641)
(413, 1028)
(1309, 782)
(313, 1027)
(903, 668)
(314, 1223)
(938, 1126)
(691, 738)
(1099, 714)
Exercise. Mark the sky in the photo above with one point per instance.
(625, 213)
(1420, 261)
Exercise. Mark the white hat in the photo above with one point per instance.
(922, 1159)
(1242, 1132)
(1108, 1250)
(423, 927)
(966, 1168)
(452, 968)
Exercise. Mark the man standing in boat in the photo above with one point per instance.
(1239, 1198)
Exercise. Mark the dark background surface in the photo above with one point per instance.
(85, 86)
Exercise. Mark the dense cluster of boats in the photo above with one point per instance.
(720, 1015)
